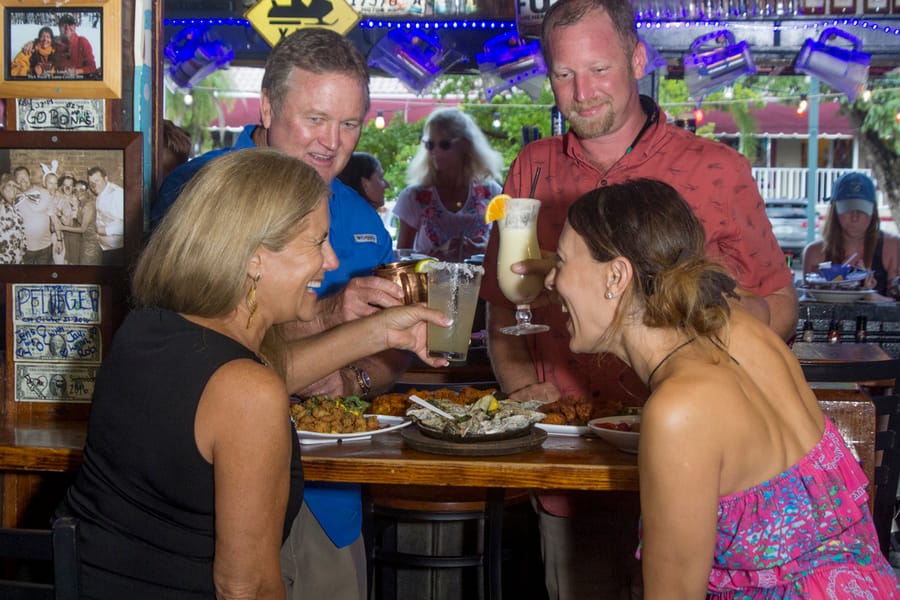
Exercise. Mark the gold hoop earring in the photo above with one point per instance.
(252, 305)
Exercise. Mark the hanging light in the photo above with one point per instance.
(193, 55)
(708, 69)
(898, 115)
(803, 106)
(844, 69)
(507, 61)
(379, 120)
(188, 99)
(496, 122)
(867, 95)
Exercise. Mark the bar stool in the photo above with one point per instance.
(385, 507)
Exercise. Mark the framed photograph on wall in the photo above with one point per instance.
(69, 202)
(68, 50)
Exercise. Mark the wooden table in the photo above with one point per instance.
(577, 463)
(866, 364)
(819, 352)
(582, 463)
(29, 453)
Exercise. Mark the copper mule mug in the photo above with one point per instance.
(403, 273)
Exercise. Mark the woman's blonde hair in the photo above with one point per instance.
(650, 224)
(196, 260)
(480, 161)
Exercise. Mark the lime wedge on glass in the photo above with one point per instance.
(424, 265)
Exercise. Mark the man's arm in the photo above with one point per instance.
(402, 328)
(780, 309)
(362, 296)
(511, 361)
(382, 369)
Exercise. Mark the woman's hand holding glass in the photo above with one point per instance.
(404, 328)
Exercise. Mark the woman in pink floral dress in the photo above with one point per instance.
(747, 489)
(451, 179)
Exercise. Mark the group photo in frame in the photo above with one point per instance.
(69, 50)
(68, 200)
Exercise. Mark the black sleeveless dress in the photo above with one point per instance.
(145, 497)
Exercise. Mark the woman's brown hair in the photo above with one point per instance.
(650, 224)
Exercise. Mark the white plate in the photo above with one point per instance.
(852, 280)
(838, 296)
(389, 423)
(626, 441)
(572, 430)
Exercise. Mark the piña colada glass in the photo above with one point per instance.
(518, 242)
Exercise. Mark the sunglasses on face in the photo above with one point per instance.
(443, 144)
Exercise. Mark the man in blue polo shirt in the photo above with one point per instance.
(314, 97)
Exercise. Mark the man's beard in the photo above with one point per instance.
(591, 127)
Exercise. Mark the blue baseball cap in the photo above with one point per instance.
(853, 191)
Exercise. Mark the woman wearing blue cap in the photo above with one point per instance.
(853, 229)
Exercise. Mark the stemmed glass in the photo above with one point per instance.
(518, 242)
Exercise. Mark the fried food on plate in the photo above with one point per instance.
(396, 403)
(323, 414)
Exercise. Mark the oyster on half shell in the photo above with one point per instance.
(485, 417)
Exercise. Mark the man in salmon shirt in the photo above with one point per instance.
(595, 60)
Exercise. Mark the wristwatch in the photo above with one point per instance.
(362, 379)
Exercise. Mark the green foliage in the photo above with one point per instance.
(738, 100)
(204, 109)
(881, 112)
(394, 146)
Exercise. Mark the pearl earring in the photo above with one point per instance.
(609, 295)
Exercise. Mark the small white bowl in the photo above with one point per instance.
(626, 441)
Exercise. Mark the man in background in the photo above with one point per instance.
(594, 61)
(73, 53)
(38, 213)
(110, 216)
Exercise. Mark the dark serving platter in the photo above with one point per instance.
(473, 437)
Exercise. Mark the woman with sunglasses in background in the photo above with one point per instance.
(451, 179)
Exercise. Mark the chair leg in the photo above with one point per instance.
(493, 552)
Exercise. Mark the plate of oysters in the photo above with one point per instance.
(486, 419)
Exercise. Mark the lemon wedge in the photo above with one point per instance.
(424, 265)
(496, 208)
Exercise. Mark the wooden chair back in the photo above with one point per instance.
(56, 546)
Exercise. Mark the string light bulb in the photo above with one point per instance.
(698, 115)
(898, 115)
(496, 122)
(803, 106)
(867, 95)
(379, 120)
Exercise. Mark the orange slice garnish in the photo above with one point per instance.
(496, 208)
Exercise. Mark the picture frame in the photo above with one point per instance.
(114, 161)
(64, 67)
